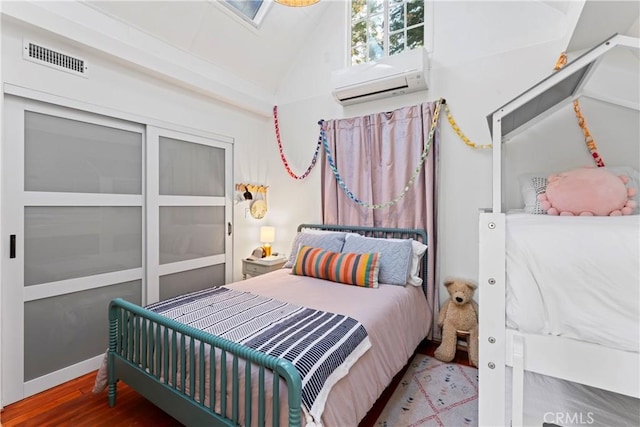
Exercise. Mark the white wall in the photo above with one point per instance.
(483, 55)
(114, 85)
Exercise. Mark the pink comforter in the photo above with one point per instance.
(396, 318)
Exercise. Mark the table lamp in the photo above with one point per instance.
(267, 236)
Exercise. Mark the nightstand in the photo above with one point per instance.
(258, 267)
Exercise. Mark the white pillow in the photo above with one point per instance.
(417, 251)
(634, 179)
(416, 257)
(532, 185)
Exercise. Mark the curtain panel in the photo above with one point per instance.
(376, 156)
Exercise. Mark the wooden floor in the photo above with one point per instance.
(74, 404)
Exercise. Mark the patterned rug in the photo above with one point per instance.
(433, 393)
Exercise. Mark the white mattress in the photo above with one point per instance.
(577, 277)
(396, 318)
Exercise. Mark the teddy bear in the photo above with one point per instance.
(588, 192)
(458, 313)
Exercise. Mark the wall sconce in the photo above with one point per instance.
(267, 236)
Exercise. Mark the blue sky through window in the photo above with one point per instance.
(248, 8)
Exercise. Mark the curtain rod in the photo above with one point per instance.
(444, 101)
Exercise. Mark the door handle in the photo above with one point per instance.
(12, 246)
(229, 227)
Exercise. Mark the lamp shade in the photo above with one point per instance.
(297, 3)
(267, 234)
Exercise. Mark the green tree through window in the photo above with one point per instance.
(382, 28)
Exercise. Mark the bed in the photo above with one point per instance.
(169, 362)
(559, 296)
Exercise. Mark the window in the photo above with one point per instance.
(251, 11)
(382, 28)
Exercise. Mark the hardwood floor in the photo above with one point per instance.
(73, 404)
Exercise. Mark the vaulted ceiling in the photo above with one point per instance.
(600, 19)
(210, 31)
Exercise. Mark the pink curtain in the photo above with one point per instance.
(376, 156)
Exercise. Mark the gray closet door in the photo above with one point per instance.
(191, 210)
(95, 208)
(72, 220)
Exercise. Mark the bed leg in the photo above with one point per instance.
(517, 379)
(112, 395)
(111, 385)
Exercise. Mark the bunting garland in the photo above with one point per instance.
(281, 149)
(461, 135)
(588, 139)
(423, 157)
(561, 62)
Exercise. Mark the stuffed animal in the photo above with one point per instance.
(588, 192)
(458, 313)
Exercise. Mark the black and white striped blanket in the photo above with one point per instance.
(322, 346)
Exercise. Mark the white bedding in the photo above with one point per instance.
(396, 318)
(577, 277)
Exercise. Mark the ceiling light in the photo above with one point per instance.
(297, 3)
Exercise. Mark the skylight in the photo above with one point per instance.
(251, 11)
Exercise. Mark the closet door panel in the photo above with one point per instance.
(188, 169)
(189, 232)
(95, 208)
(189, 210)
(66, 329)
(72, 199)
(175, 284)
(67, 242)
(64, 155)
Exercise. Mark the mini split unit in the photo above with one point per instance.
(390, 76)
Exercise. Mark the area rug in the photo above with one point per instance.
(432, 393)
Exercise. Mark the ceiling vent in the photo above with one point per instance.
(390, 76)
(54, 59)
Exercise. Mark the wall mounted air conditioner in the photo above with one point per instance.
(391, 76)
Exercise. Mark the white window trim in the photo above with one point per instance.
(245, 21)
(428, 32)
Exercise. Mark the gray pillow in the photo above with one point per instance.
(395, 256)
(328, 241)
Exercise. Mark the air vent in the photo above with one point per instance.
(54, 59)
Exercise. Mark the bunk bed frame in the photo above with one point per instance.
(500, 346)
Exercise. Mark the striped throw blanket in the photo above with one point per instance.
(322, 346)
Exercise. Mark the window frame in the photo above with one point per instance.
(252, 24)
(427, 32)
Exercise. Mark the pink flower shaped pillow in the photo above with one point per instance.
(588, 191)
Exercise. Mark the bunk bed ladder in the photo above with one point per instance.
(517, 381)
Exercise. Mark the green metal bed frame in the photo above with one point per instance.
(152, 354)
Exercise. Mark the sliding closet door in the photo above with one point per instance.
(189, 213)
(73, 234)
(95, 208)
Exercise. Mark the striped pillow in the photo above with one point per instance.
(343, 267)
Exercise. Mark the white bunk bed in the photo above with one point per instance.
(501, 346)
